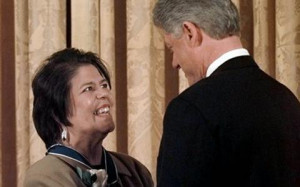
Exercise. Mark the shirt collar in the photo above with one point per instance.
(223, 58)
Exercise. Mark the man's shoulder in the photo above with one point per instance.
(205, 88)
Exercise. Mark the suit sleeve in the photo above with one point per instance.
(187, 152)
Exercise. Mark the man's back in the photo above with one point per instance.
(242, 129)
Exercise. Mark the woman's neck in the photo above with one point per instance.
(92, 151)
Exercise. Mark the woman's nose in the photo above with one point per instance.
(103, 94)
(99, 96)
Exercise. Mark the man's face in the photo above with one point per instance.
(183, 56)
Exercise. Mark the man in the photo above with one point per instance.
(234, 125)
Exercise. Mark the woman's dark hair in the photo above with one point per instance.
(51, 90)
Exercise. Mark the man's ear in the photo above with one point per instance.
(192, 34)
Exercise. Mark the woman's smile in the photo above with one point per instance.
(102, 111)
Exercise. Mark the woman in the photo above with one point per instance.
(71, 113)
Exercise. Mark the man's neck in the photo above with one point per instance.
(220, 47)
(214, 48)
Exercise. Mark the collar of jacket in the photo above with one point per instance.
(236, 63)
(74, 158)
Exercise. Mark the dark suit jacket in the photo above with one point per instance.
(238, 127)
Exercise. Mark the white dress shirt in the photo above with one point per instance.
(223, 58)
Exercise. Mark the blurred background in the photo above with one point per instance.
(143, 81)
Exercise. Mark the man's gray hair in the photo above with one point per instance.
(218, 18)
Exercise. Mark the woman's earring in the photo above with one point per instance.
(64, 134)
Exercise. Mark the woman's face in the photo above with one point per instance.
(91, 102)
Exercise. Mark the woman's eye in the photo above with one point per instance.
(87, 89)
(104, 85)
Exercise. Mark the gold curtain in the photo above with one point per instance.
(40, 31)
(122, 33)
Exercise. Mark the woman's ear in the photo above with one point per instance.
(192, 34)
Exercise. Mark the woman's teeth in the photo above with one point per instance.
(103, 110)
